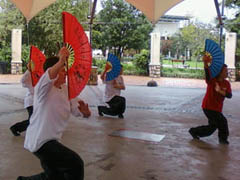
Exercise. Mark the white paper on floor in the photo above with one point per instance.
(138, 135)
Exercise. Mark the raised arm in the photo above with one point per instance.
(26, 79)
(63, 56)
(206, 68)
(103, 75)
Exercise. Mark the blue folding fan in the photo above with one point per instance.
(217, 56)
(116, 67)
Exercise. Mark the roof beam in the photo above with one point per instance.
(220, 19)
(218, 12)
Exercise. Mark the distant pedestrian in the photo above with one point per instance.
(217, 89)
(26, 81)
(116, 104)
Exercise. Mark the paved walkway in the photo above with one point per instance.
(160, 111)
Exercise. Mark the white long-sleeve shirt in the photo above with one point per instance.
(110, 90)
(26, 81)
(51, 113)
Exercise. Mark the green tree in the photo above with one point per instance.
(123, 27)
(232, 25)
(192, 37)
(166, 47)
(44, 30)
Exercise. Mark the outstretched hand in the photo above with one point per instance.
(83, 108)
(217, 87)
(219, 90)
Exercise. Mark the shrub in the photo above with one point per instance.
(100, 63)
(6, 56)
(129, 69)
(182, 73)
(141, 62)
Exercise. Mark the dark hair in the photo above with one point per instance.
(50, 62)
(224, 65)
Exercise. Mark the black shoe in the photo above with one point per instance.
(100, 112)
(14, 131)
(223, 142)
(192, 134)
(20, 178)
(121, 116)
(34, 177)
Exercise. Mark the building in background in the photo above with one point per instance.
(168, 25)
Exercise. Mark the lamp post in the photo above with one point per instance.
(220, 15)
(91, 16)
(90, 25)
(221, 25)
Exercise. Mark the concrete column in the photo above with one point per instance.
(16, 63)
(88, 35)
(230, 50)
(154, 66)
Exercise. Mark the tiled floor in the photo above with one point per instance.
(167, 110)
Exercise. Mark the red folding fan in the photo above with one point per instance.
(80, 60)
(37, 59)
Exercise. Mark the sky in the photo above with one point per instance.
(201, 10)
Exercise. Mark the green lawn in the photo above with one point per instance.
(192, 64)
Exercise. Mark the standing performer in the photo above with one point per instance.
(26, 81)
(50, 117)
(217, 89)
(117, 103)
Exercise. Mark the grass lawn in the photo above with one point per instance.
(192, 64)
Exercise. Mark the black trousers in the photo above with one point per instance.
(59, 163)
(216, 120)
(22, 126)
(117, 106)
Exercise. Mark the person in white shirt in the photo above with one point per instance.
(116, 103)
(50, 117)
(26, 81)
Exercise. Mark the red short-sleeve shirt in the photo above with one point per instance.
(212, 99)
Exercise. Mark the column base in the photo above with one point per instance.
(232, 74)
(237, 74)
(16, 68)
(155, 71)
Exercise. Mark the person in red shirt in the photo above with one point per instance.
(217, 89)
